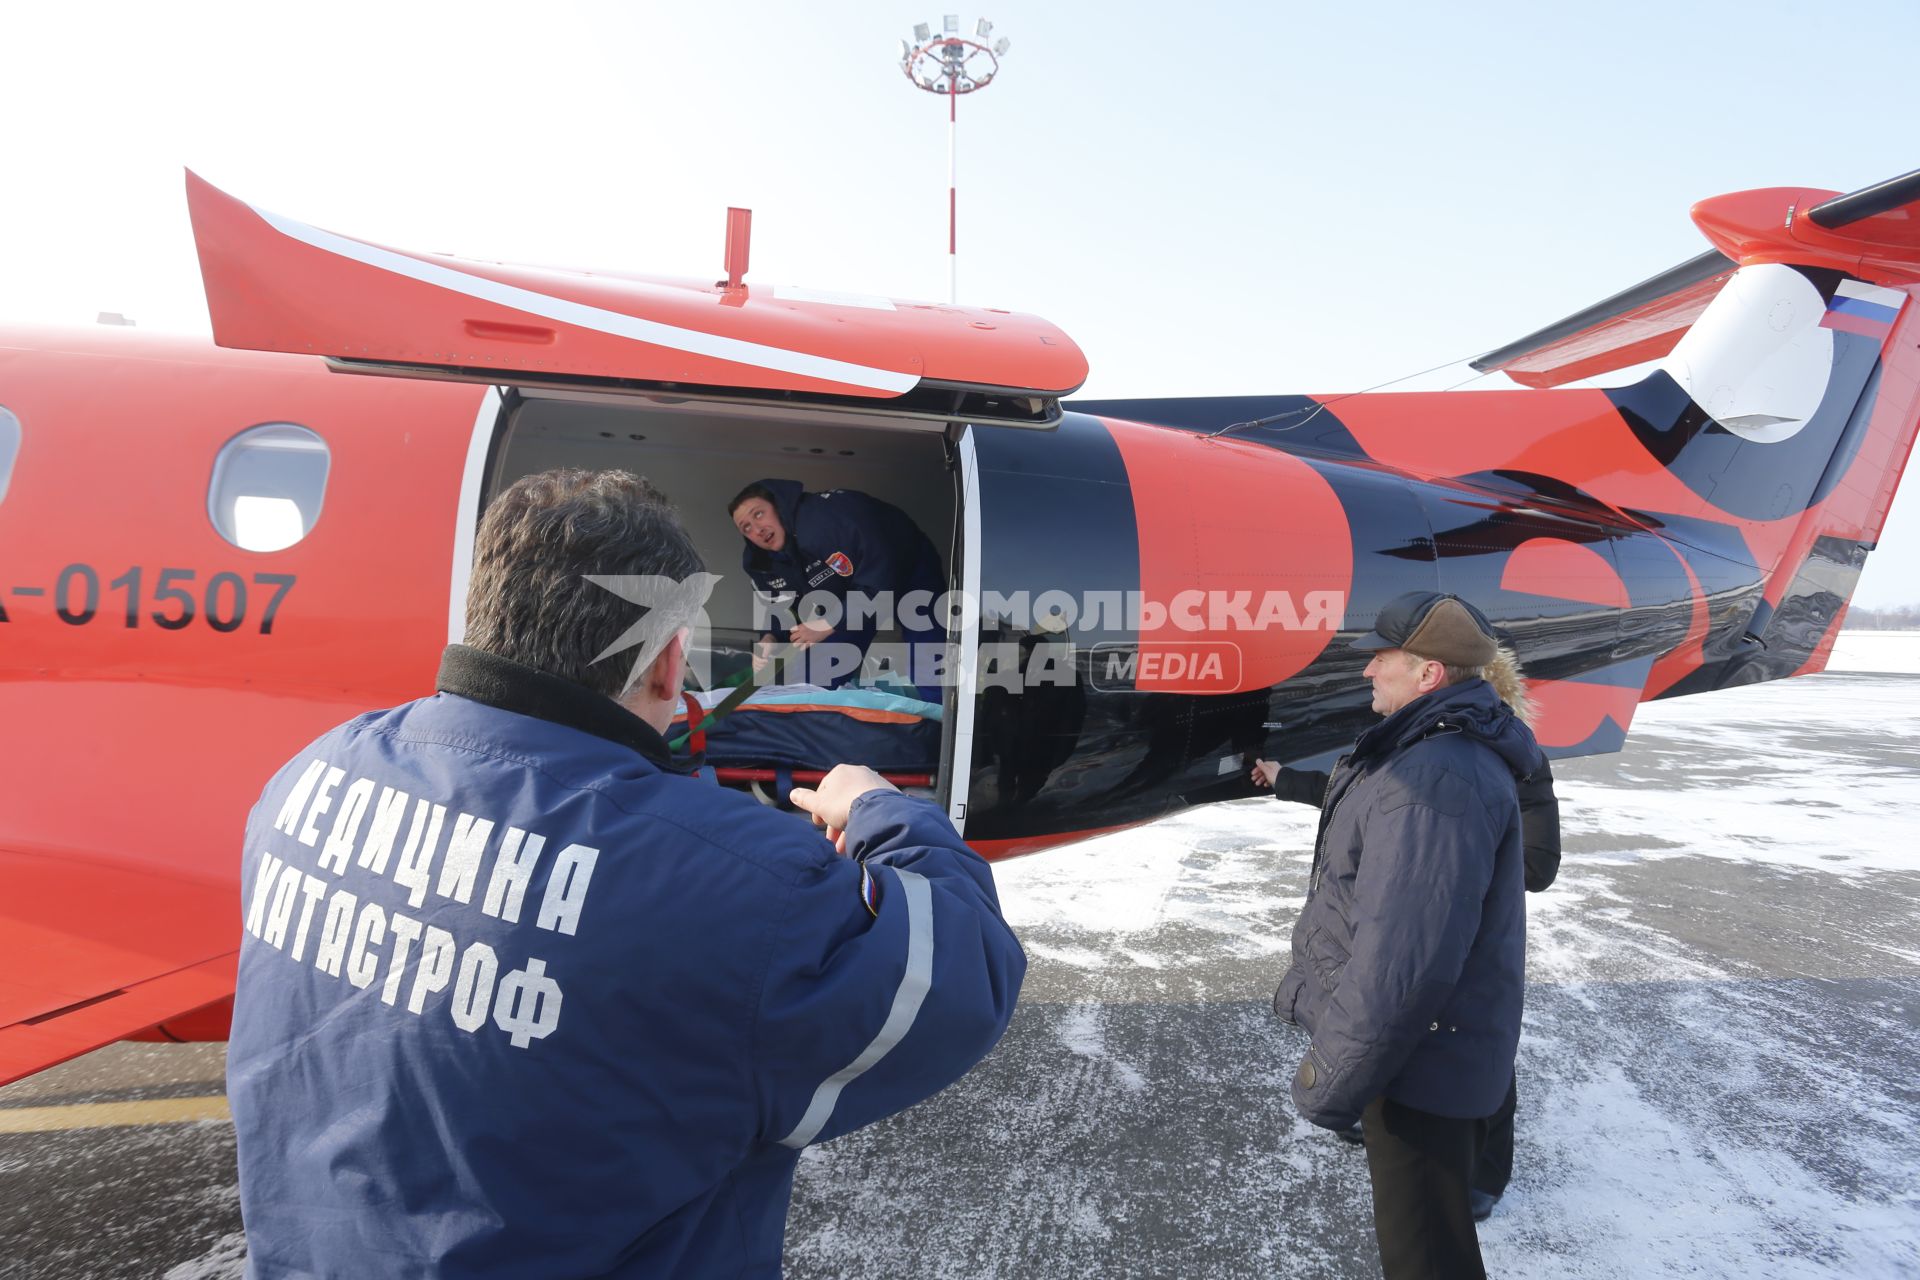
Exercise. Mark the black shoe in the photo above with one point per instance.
(1352, 1135)
(1482, 1204)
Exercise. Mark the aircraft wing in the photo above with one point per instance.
(1646, 321)
(92, 952)
(274, 284)
(1635, 325)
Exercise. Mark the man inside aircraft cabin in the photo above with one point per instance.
(802, 548)
(519, 998)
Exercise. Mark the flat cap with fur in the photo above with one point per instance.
(1433, 625)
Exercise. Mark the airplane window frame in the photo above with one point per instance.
(10, 433)
(247, 459)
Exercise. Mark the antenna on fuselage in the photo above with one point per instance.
(739, 241)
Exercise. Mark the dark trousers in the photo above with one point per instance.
(1420, 1165)
(1495, 1168)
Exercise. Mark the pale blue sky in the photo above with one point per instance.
(1210, 199)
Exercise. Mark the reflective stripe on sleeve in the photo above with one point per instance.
(906, 1007)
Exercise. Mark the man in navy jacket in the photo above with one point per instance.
(1409, 954)
(1540, 854)
(804, 548)
(517, 998)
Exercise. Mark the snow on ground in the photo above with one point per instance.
(227, 1260)
(1885, 651)
(1718, 1073)
(1815, 772)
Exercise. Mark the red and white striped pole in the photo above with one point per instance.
(952, 66)
(953, 197)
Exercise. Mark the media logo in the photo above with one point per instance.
(1203, 666)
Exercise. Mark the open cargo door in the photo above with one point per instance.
(274, 284)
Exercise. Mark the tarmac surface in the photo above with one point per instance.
(1720, 1074)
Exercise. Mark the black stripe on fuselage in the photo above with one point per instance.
(1056, 515)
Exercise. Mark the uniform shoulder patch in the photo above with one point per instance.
(840, 564)
(869, 890)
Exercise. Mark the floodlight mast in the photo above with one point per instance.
(950, 65)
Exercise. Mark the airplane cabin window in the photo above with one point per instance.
(9, 447)
(267, 485)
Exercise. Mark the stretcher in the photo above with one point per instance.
(792, 734)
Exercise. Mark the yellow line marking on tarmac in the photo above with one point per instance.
(112, 1115)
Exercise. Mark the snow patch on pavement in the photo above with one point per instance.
(1819, 774)
(1082, 1032)
(1207, 872)
(1887, 651)
(227, 1260)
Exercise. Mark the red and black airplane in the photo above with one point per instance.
(214, 553)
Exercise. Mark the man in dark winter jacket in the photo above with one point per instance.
(1409, 954)
(862, 559)
(519, 998)
(1540, 841)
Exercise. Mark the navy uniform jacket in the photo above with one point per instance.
(517, 1000)
(842, 541)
